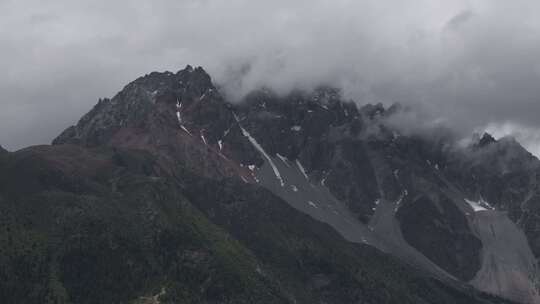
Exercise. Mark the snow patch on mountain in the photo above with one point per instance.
(283, 159)
(312, 204)
(480, 205)
(400, 199)
(475, 205)
(262, 151)
(302, 169)
(185, 130)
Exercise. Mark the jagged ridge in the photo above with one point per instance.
(365, 171)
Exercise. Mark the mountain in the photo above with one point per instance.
(169, 193)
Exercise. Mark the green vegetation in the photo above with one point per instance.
(122, 231)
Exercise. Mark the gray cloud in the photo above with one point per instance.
(473, 63)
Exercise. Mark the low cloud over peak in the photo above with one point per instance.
(473, 63)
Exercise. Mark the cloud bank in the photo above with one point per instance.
(472, 63)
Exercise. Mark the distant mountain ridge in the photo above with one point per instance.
(302, 198)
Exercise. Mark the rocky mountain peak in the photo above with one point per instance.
(149, 101)
(186, 83)
(373, 110)
(485, 140)
(338, 163)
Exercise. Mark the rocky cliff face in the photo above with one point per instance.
(307, 197)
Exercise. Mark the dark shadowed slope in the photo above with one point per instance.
(169, 191)
(111, 225)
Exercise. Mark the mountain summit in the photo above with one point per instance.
(170, 193)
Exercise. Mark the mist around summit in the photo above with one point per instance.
(472, 64)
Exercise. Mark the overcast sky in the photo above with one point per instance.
(475, 63)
